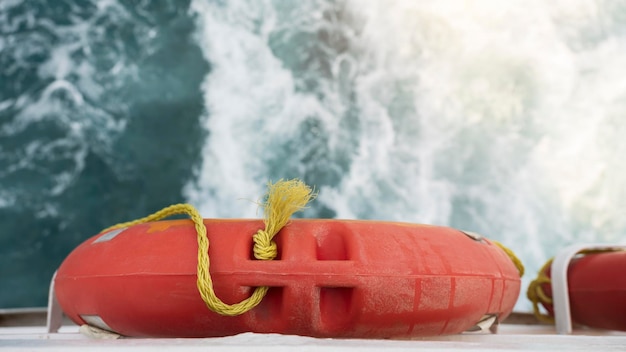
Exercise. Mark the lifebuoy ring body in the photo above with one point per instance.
(332, 278)
(597, 290)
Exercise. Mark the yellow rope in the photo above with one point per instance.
(536, 294)
(516, 261)
(283, 199)
(161, 214)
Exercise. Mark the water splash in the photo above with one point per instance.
(267, 104)
(496, 117)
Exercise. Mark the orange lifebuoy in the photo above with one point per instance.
(332, 278)
(596, 289)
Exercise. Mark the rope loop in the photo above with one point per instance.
(283, 199)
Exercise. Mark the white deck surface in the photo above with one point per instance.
(509, 338)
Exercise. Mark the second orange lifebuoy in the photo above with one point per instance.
(597, 290)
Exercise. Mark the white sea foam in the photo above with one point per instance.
(504, 118)
(251, 99)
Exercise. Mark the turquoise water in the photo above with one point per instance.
(502, 118)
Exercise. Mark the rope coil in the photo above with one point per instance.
(536, 294)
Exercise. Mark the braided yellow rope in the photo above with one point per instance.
(536, 294)
(283, 199)
(516, 261)
(159, 215)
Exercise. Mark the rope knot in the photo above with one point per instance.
(264, 248)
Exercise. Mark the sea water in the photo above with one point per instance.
(502, 118)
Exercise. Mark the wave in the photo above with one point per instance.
(495, 117)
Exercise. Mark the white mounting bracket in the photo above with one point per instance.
(560, 291)
(54, 318)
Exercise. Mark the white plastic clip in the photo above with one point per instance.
(560, 291)
(54, 319)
